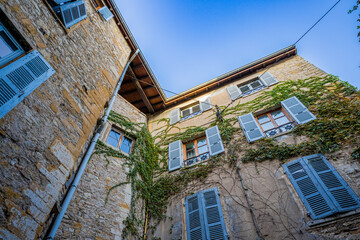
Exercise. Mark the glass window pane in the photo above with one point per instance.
(6, 45)
(190, 153)
(281, 121)
(267, 126)
(277, 114)
(196, 108)
(126, 145)
(244, 89)
(186, 112)
(255, 84)
(263, 119)
(203, 149)
(113, 138)
(201, 142)
(190, 146)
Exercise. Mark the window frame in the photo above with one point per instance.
(97, 4)
(15, 54)
(272, 120)
(196, 148)
(248, 83)
(192, 113)
(120, 141)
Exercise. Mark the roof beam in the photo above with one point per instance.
(141, 91)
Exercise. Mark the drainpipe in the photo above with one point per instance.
(87, 156)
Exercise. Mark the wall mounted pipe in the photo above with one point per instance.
(87, 156)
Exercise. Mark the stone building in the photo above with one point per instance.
(267, 151)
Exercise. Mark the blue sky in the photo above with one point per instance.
(188, 42)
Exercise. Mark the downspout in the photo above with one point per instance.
(87, 156)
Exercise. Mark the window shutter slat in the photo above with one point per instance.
(297, 110)
(338, 190)
(72, 12)
(214, 140)
(175, 155)
(194, 218)
(205, 105)
(268, 79)
(213, 216)
(250, 127)
(106, 13)
(310, 192)
(20, 78)
(174, 116)
(233, 92)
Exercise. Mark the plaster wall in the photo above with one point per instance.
(43, 138)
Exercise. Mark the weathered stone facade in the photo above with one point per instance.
(43, 138)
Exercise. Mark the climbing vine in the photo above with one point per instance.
(336, 105)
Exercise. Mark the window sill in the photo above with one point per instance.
(331, 219)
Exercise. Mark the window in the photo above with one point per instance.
(204, 216)
(189, 111)
(253, 86)
(275, 122)
(119, 140)
(68, 11)
(320, 187)
(97, 4)
(196, 151)
(102, 9)
(21, 71)
(264, 80)
(9, 47)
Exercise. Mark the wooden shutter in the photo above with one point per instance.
(106, 13)
(213, 216)
(194, 217)
(335, 186)
(205, 105)
(72, 13)
(268, 79)
(175, 155)
(233, 92)
(250, 127)
(20, 78)
(316, 201)
(174, 116)
(214, 140)
(297, 110)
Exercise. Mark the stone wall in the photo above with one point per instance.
(89, 216)
(43, 138)
(279, 212)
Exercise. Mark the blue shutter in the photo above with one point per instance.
(233, 92)
(214, 140)
(297, 110)
(194, 218)
(71, 13)
(205, 105)
(316, 201)
(250, 127)
(20, 78)
(335, 186)
(213, 216)
(175, 155)
(106, 13)
(174, 116)
(268, 79)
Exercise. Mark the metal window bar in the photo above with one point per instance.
(191, 115)
(252, 91)
(280, 129)
(196, 159)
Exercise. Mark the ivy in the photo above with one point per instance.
(336, 105)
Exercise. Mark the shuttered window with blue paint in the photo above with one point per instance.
(320, 187)
(204, 217)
